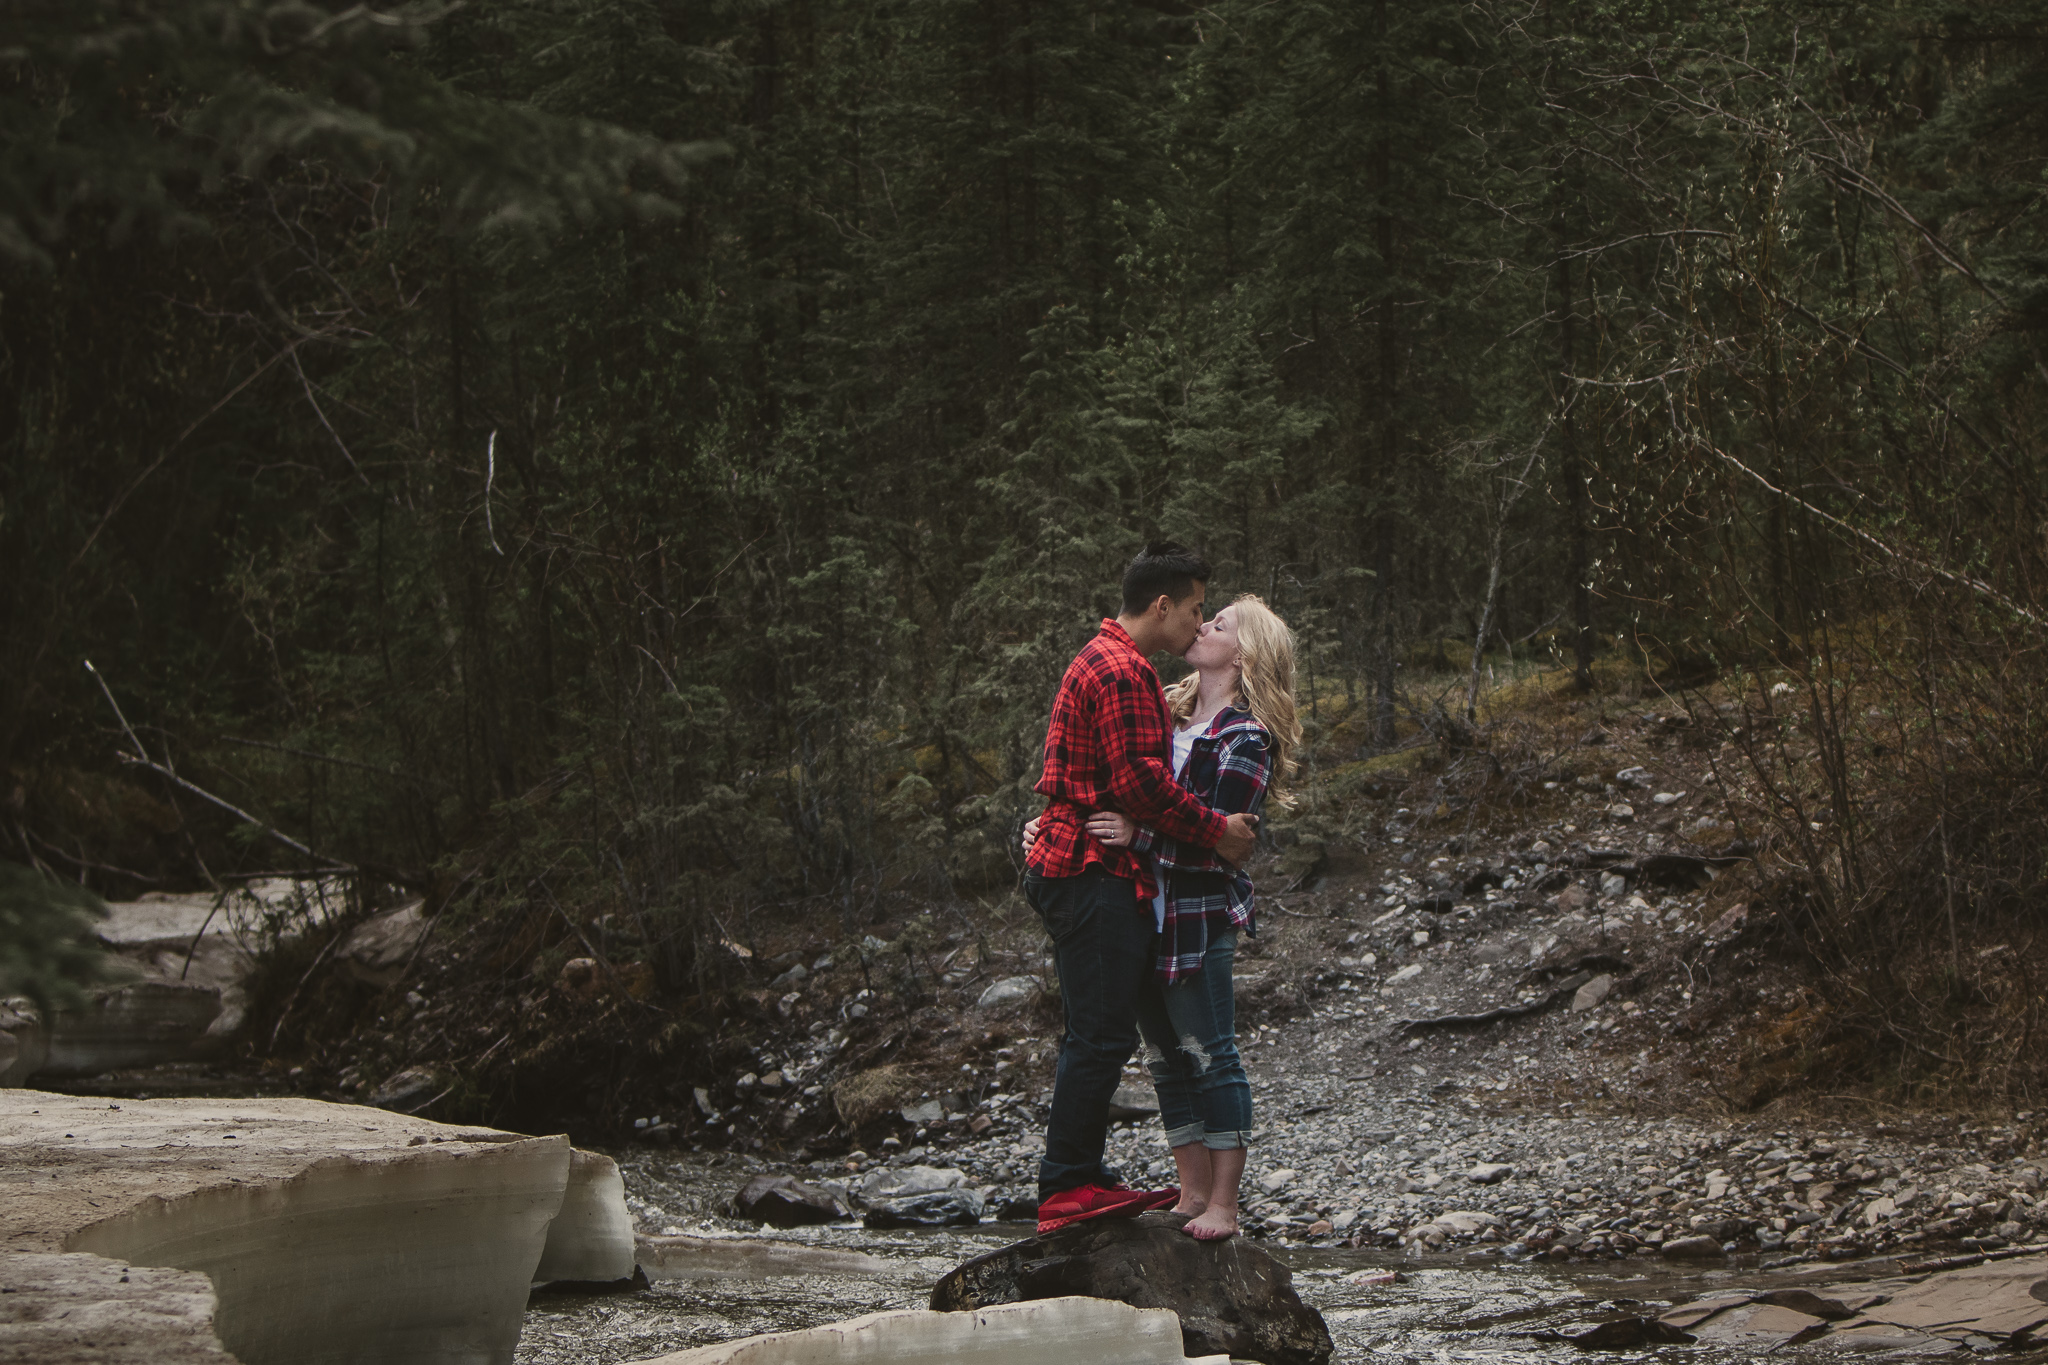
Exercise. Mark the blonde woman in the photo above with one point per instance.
(1234, 737)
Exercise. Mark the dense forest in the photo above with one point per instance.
(657, 457)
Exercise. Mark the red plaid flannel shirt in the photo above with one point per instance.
(1108, 748)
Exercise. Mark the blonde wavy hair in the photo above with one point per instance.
(1265, 686)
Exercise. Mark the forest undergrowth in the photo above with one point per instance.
(1887, 863)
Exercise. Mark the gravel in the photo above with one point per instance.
(1589, 1128)
(1383, 1159)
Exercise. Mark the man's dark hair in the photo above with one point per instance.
(1162, 569)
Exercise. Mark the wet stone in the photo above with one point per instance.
(956, 1208)
(1693, 1249)
(1232, 1297)
(785, 1202)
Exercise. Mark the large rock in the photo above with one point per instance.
(785, 1202)
(1133, 1102)
(1011, 990)
(410, 1090)
(76, 1308)
(330, 1232)
(1999, 1301)
(1758, 1327)
(378, 950)
(960, 1208)
(1593, 993)
(1232, 1297)
(1071, 1331)
(2003, 1300)
(903, 1182)
(1695, 1248)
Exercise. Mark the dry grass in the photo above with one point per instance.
(868, 1095)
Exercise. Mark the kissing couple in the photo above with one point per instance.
(1136, 868)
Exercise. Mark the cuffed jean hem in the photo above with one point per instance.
(1191, 1051)
(1185, 1134)
(1228, 1140)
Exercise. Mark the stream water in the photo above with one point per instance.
(1437, 1311)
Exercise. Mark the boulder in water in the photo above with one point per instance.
(956, 1208)
(1698, 1248)
(1232, 1297)
(901, 1182)
(785, 1202)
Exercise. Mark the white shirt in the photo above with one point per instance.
(1183, 745)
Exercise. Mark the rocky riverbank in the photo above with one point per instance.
(1569, 1033)
(1554, 1038)
(1349, 1163)
(1566, 1028)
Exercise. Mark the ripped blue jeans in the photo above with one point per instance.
(1190, 1033)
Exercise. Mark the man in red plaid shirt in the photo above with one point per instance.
(1109, 748)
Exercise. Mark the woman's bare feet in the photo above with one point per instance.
(1192, 1164)
(1214, 1225)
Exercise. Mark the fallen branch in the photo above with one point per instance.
(141, 759)
(1975, 1258)
(1587, 963)
(1564, 991)
(285, 1013)
(1963, 580)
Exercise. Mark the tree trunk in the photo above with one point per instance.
(1386, 397)
(1571, 469)
(1493, 556)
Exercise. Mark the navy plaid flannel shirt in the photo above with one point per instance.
(1229, 768)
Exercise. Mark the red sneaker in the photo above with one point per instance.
(1091, 1201)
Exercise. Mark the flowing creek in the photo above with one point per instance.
(1440, 1309)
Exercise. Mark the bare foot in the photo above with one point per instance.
(1214, 1225)
(1191, 1205)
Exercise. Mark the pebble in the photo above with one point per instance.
(1011, 990)
(1592, 994)
(1557, 1141)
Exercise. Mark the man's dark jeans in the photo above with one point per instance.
(1103, 944)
